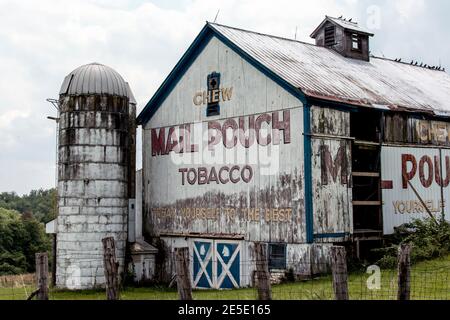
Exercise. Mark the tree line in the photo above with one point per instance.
(22, 228)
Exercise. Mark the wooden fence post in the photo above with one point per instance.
(404, 272)
(54, 246)
(262, 272)
(42, 276)
(110, 268)
(339, 269)
(183, 275)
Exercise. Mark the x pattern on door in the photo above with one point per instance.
(216, 264)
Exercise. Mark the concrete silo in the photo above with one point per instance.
(96, 168)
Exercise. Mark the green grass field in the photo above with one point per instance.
(430, 281)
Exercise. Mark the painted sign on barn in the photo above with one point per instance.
(221, 172)
(427, 170)
(236, 171)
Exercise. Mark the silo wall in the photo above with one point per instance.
(93, 186)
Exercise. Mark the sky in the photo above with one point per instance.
(42, 41)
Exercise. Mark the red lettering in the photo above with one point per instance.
(229, 143)
(213, 176)
(249, 177)
(214, 126)
(172, 141)
(194, 179)
(190, 148)
(248, 141)
(284, 126)
(447, 168)
(408, 176)
(437, 172)
(202, 176)
(331, 168)
(426, 182)
(234, 180)
(259, 121)
(223, 181)
(158, 143)
(182, 171)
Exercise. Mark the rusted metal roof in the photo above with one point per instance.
(325, 74)
(95, 78)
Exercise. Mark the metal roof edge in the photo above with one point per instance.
(175, 75)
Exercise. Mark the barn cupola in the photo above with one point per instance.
(344, 36)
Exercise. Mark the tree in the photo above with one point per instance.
(41, 203)
(21, 237)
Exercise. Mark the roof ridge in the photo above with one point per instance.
(406, 63)
(343, 20)
(260, 33)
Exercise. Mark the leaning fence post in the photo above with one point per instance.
(110, 268)
(404, 272)
(42, 276)
(183, 276)
(339, 269)
(262, 272)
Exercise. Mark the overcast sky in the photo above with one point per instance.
(42, 41)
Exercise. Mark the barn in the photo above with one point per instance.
(257, 138)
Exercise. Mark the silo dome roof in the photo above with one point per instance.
(96, 78)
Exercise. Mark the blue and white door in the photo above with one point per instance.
(216, 264)
(202, 266)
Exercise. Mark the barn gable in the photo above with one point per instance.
(258, 199)
(193, 53)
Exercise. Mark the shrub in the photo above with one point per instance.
(429, 240)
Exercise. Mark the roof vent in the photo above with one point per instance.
(344, 36)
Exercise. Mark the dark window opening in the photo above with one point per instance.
(213, 110)
(366, 158)
(366, 188)
(277, 256)
(367, 220)
(356, 42)
(366, 128)
(213, 82)
(330, 36)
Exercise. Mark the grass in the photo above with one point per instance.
(429, 281)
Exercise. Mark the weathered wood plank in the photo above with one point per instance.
(366, 174)
(404, 272)
(262, 272)
(367, 203)
(184, 284)
(42, 275)
(339, 269)
(110, 268)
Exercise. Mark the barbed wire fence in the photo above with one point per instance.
(330, 280)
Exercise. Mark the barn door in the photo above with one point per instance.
(202, 264)
(216, 264)
(228, 255)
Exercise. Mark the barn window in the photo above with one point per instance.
(213, 82)
(330, 35)
(356, 42)
(213, 110)
(277, 256)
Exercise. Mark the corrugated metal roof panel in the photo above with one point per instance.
(95, 78)
(349, 25)
(131, 95)
(323, 73)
